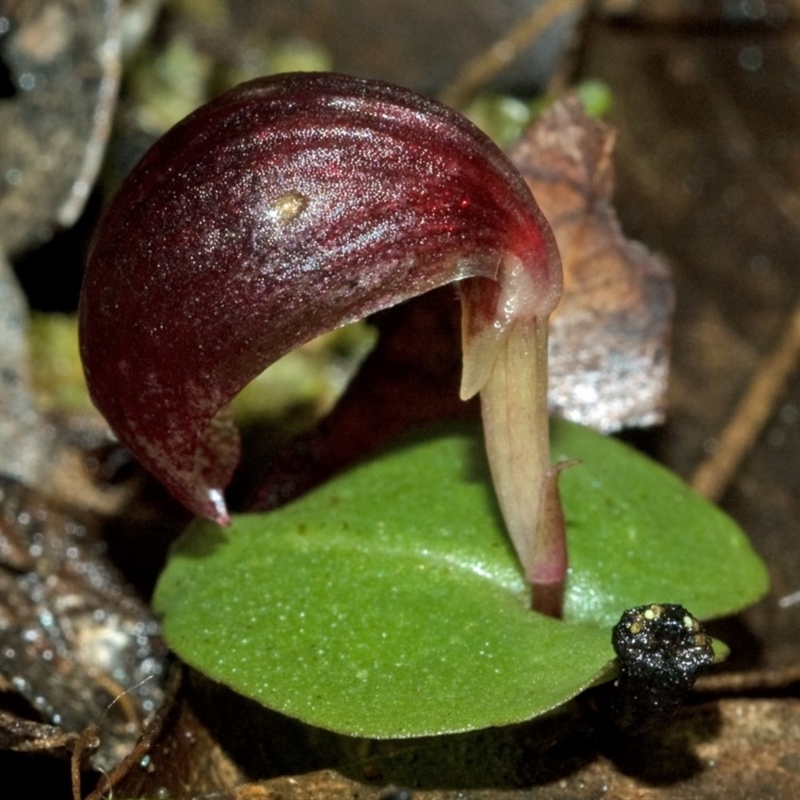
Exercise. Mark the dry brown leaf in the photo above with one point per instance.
(77, 648)
(610, 334)
(25, 439)
(63, 60)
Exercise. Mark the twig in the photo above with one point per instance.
(480, 69)
(87, 740)
(757, 406)
(751, 415)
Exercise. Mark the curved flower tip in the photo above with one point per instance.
(285, 208)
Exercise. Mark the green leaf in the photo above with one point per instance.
(389, 603)
(637, 534)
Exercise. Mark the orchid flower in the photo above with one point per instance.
(296, 204)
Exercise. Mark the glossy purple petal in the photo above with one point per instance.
(285, 208)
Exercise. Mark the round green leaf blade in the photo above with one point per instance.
(638, 534)
(389, 602)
